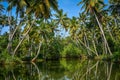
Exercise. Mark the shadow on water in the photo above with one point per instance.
(62, 70)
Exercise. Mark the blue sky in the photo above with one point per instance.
(70, 7)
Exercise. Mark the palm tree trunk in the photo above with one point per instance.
(96, 70)
(85, 46)
(38, 52)
(95, 47)
(110, 32)
(9, 46)
(23, 38)
(100, 26)
(15, 30)
(110, 71)
(86, 42)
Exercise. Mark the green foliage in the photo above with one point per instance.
(3, 42)
(52, 49)
(7, 58)
(116, 56)
(71, 51)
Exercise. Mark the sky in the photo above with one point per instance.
(70, 7)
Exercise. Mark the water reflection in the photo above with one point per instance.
(62, 70)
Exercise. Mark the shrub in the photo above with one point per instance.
(71, 51)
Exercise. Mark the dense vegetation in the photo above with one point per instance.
(34, 32)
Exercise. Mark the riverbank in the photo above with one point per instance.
(82, 57)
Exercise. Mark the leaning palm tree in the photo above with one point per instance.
(37, 8)
(93, 7)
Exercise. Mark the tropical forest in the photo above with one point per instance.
(39, 40)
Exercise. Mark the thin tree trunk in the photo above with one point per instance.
(110, 32)
(110, 70)
(9, 46)
(95, 47)
(85, 46)
(96, 70)
(38, 52)
(86, 43)
(15, 30)
(23, 38)
(100, 26)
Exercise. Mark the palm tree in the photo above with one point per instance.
(40, 8)
(62, 19)
(20, 9)
(88, 29)
(93, 7)
(42, 34)
(19, 5)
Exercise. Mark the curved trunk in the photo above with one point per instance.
(23, 38)
(38, 52)
(100, 26)
(86, 42)
(85, 46)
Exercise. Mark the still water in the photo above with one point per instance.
(62, 70)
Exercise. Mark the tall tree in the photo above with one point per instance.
(37, 8)
(93, 7)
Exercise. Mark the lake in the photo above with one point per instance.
(71, 69)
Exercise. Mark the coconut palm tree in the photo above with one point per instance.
(62, 19)
(39, 8)
(19, 5)
(93, 7)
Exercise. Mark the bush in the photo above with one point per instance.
(52, 50)
(71, 51)
(7, 58)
